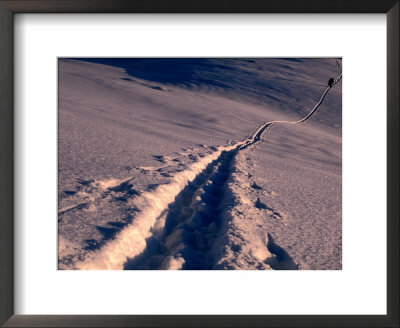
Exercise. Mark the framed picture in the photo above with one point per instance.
(182, 164)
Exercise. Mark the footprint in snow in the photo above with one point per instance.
(273, 213)
(256, 186)
(159, 158)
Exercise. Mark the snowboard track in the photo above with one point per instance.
(183, 234)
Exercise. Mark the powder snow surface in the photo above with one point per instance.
(153, 173)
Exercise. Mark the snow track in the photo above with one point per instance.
(186, 232)
(131, 241)
(256, 136)
(179, 223)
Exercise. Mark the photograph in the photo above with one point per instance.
(199, 163)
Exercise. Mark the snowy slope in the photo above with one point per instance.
(150, 176)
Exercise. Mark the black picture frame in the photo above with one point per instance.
(10, 7)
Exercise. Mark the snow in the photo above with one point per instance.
(131, 241)
(156, 170)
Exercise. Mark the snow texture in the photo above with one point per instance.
(199, 164)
